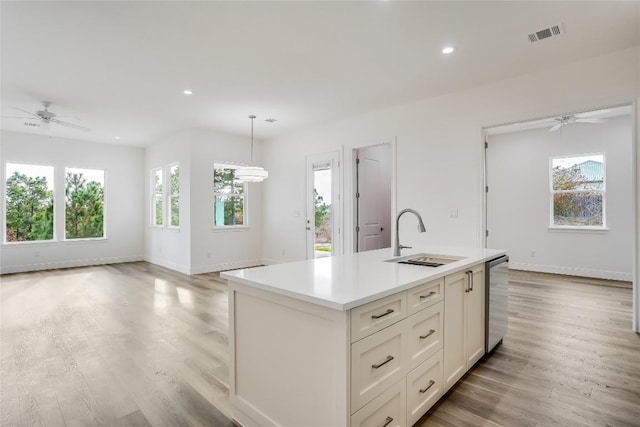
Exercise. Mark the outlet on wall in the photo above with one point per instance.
(532, 254)
(209, 255)
(36, 254)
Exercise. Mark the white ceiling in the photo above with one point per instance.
(121, 66)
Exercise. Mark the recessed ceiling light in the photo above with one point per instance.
(447, 50)
(116, 137)
(187, 92)
(271, 120)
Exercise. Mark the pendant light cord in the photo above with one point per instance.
(252, 117)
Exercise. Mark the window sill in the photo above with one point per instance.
(226, 228)
(588, 230)
(54, 242)
(31, 243)
(87, 240)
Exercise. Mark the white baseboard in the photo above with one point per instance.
(572, 271)
(68, 264)
(184, 269)
(223, 266)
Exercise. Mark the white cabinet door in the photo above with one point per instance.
(454, 364)
(463, 323)
(377, 362)
(387, 410)
(425, 334)
(474, 312)
(424, 387)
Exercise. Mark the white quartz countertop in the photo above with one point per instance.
(348, 281)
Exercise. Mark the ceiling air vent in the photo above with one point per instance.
(545, 33)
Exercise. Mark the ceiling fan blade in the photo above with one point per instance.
(555, 127)
(16, 117)
(70, 125)
(591, 120)
(26, 112)
(591, 114)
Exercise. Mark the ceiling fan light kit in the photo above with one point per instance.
(251, 173)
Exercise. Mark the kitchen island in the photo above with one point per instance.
(353, 340)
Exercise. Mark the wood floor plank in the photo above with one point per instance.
(135, 344)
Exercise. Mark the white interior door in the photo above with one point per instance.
(324, 213)
(373, 197)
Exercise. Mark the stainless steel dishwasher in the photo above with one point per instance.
(496, 300)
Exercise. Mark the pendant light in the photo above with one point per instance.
(251, 173)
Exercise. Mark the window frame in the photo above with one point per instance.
(244, 195)
(54, 238)
(104, 206)
(169, 196)
(602, 191)
(154, 194)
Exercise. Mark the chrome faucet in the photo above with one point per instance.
(398, 246)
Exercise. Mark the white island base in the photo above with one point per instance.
(352, 340)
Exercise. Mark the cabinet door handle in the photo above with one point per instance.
(427, 296)
(377, 316)
(470, 281)
(431, 332)
(424, 390)
(468, 273)
(389, 420)
(377, 365)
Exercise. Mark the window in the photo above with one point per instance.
(229, 197)
(578, 191)
(84, 203)
(29, 203)
(174, 195)
(157, 215)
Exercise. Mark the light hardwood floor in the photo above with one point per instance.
(136, 344)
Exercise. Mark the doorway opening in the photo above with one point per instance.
(559, 193)
(323, 205)
(373, 174)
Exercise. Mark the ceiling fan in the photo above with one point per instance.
(46, 117)
(588, 117)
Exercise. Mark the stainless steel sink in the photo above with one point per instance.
(426, 260)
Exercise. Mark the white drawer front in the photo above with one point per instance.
(425, 295)
(377, 315)
(425, 334)
(388, 409)
(377, 362)
(424, 387)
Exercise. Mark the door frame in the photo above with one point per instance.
(635, 185)
(337, 238)
(352, 244)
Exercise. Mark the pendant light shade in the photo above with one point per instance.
(251, 173)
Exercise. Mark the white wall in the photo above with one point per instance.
(518, 208)
(123, 209)
(216, 250)
(439, 149)
(196, 247)
(169, 246)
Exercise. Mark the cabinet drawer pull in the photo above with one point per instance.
(377, 316)
(389, 420)
(424, 390)
(427, 296)
(377, 365)
(431, 332)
